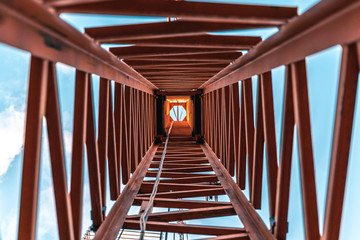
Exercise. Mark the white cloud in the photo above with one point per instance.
(86, 218)
(67, 135)
(9, 226)
(12, 125)
(47, 221)
(11, 136)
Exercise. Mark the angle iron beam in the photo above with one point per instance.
(200, 11)
(177, 28)
(116, 217)
(319, 28)
(252, 222)
(51, 38)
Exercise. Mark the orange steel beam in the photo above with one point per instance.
(168, 193)
(284, 172)
(143, 51)
(344, 118)
(147, 67)
(230, 131)
(270, 138)
(188, 84)
(36, 105)
(247, 214)
(102, 140)
(125, 167)
(200, 11)
(175, 87)
(198, 213)
(78, 141)
(178, 93)
(164, 30)
(235, 112)
(57, 156)
(193, 57)
(177, 81)
(118, 98)
(189, 193)
(237, 236)
(47, 105)
(185, 69)
(137, 192)
(295, 41)
(165, 74)
(43, 101)
(49, 37)
(249, 128)
(97, 204)
(131, 131)
(200, 40)
(188, 76)
(183, 228)
(258, 150)
(116, 216)
(147, 187)
(177, 203)
(111, 151)
(191, 179)
(302, 121)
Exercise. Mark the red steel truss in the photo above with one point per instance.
(181, 57)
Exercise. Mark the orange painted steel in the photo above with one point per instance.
(296, 113)
(322, 24)
(197, 11)
(148, 31)
(138, 191)
(43, 90)
(49, 37)
(77, 163)
(36, 106)
(283, 181)
(181, 58)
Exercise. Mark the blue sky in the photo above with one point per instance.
(323, 72)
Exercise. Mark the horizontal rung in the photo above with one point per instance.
(190, 179)
(198, 213)
(166, 187)
(188, 193)
(183, 228)
(176, 203)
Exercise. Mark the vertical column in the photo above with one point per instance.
(102, 132)
(78, 140)
(284, 172)
(197, 114)
(249, 125)
(225, 117)
(230, 130)
(270, 138)
(344, 116)
(258, 149)
(118, 92)
(111, 150)
(235, 114)
(36, 104)
(302, 120)
(97, 213)
(242, 143)
(125, 168)
(62, 199)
